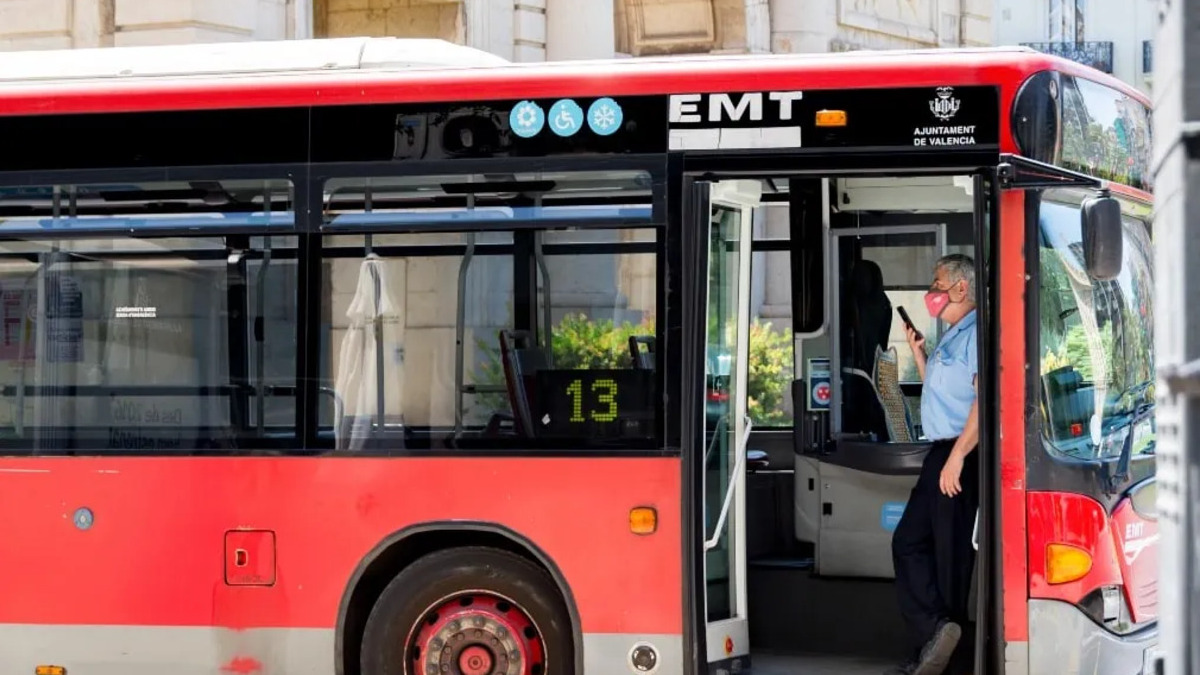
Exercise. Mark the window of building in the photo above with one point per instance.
(1066, 20)
(1096, 340)
(124, 333)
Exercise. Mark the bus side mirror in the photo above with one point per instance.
(1102, 237)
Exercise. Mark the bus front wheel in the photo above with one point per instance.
(469, 611)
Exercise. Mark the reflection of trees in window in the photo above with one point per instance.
(1098, 329)
(1115, 146)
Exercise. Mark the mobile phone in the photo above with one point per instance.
(907, 321)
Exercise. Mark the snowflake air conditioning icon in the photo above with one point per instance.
(605, 116)
(945, 106)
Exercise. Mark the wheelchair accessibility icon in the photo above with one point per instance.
(565, 118)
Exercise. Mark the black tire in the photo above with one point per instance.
(409, 599)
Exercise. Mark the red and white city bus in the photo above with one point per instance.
(370, 356)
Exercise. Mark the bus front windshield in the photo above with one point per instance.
(1096, 340)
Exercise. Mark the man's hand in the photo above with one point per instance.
(917, 344)
(951, 472)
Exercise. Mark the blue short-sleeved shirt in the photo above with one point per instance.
(949, 387)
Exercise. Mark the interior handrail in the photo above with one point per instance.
(737, 467)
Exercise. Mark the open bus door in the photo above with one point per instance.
(729, 206)
(956, 212)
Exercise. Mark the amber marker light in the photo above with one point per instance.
(643, 520)
(831, 118)
(1066, 563)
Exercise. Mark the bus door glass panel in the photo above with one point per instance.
(879, 270)
(721, 395)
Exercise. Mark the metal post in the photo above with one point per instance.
(1177, 328)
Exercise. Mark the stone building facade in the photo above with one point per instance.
(521, 30)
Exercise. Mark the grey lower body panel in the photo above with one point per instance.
(206, 650)
(156, 650)
(1064, 641)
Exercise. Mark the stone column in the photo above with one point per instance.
(198, 21)
(802, 25)
(579, 30)
(777, 282)
(491, 26)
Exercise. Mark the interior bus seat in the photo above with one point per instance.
(887, 386)
(864, 411)
(522, 359)
(643, 359)
(868, 326)
(870, 315)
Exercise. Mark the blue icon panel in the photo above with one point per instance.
(526, 119)
(605, 116)
(566, 117)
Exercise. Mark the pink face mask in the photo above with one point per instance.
(936, 301)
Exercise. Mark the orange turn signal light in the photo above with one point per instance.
(643, 520)
(1066, 563)
(49, 670)
(831, 118)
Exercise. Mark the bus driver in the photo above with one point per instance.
(931, 547)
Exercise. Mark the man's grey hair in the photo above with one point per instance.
(958, 268)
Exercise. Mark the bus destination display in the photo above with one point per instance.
(602, 403)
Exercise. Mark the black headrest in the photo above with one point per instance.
(867, 280)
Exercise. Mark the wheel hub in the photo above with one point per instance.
(477, 635)
(475, 660)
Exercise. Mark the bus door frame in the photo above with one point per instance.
(1009, 608)
(988, 179)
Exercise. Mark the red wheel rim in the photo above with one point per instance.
(477, 634)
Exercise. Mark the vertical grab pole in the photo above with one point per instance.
(260, 321)
(459, 325)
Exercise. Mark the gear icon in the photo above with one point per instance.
(526, 119)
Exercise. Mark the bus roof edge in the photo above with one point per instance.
(239, 58)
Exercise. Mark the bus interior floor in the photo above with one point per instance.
(766, 663)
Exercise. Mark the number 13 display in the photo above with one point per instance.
(605, 407)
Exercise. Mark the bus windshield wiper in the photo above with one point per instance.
(1120, 475)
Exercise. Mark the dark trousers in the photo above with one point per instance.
(931, 547)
